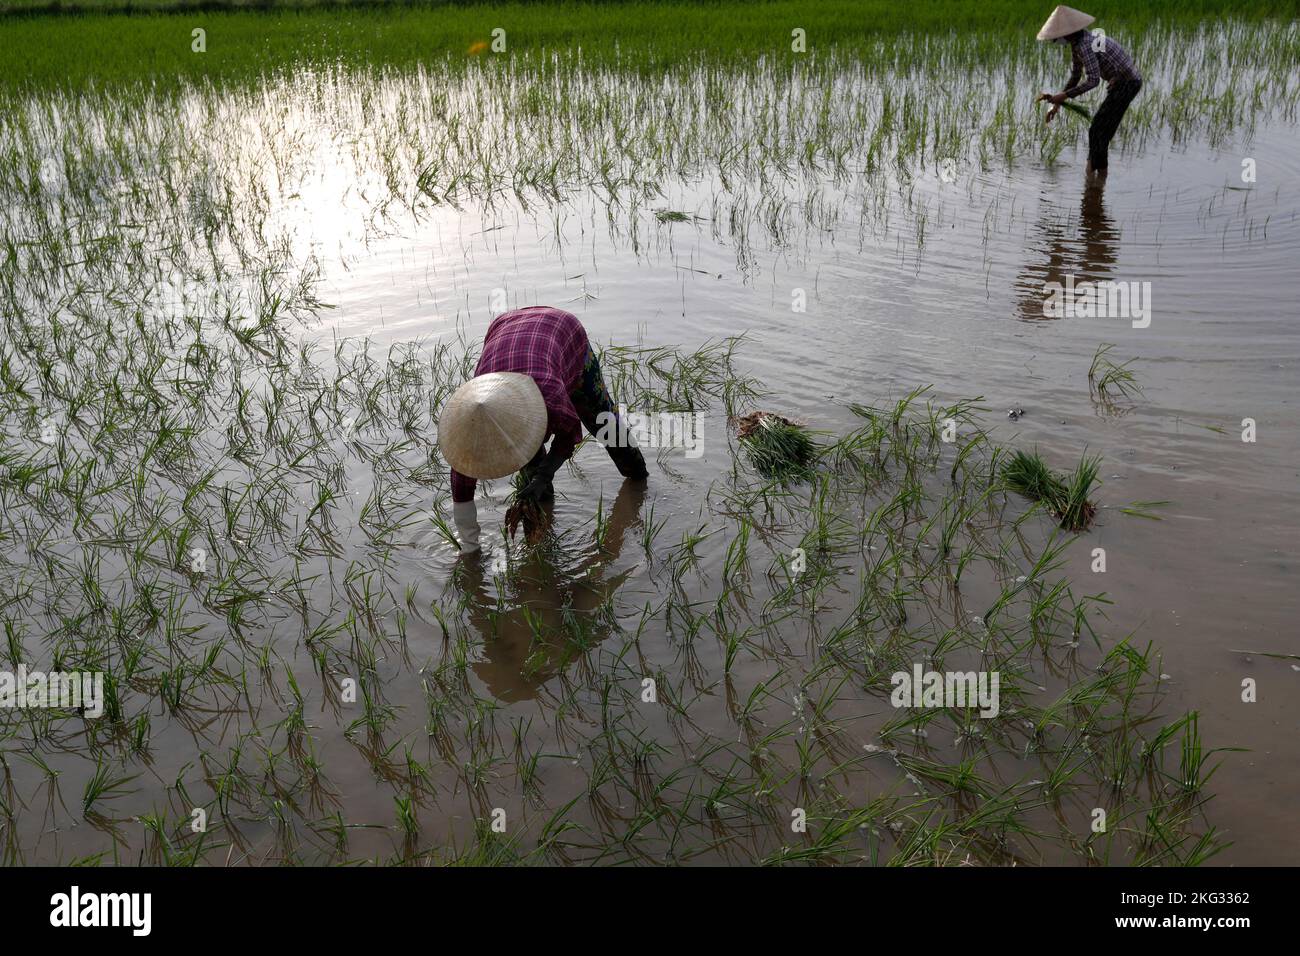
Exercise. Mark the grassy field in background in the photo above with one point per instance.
(110, 41)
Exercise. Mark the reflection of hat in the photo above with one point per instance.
(1064, 21)
(492, 425)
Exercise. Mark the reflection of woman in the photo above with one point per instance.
(514, 668)
(1097, 245)
(537, 378)
(1100, 237)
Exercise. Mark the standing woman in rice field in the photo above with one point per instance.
(537, 378)
(1094, 57)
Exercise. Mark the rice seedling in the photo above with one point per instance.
(1142, 509)
(103, 785)
(1105, 376)
(1283, 657)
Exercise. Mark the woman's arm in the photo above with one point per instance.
(1076, 69)
(561, 451)
(1088, 64)
(564, 422)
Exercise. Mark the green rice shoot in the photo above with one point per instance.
(1107, 377)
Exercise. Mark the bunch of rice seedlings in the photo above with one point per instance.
(1078, 110)
(778, 448)
(1078, 511)
(526, 510)
(1065, 495)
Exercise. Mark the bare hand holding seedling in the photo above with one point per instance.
(529, 509)
(1056, 99)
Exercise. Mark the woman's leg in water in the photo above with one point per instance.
(596, 409)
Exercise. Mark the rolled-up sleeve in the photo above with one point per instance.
(561, 417)
(1089, 65)
(462, 487)
(1076, 70)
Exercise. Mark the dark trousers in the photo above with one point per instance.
(591, 400)
(1107, 120)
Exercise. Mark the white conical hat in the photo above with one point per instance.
(492, 425)
(1064, 21)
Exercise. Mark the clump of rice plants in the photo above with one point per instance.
(1066, 496)
(1077, 110)
(1104, 376)
(778, 448)
(527, 510)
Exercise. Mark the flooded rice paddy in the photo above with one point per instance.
(231, 316)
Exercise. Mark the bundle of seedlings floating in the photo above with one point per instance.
(778, 448)
(1066, 496)
(1104, 375)
(1077, 110)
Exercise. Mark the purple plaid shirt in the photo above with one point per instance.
(551, 346)
(1111, 63)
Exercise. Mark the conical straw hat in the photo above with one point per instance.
(1064, 21)
(492, 425)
